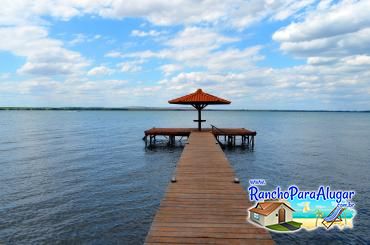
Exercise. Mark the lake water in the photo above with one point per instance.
(86, 177)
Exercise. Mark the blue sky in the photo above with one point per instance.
(259, 54)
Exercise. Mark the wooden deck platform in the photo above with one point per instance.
(204, 205)
(224, 136)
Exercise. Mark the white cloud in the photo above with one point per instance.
(192, 37)
(333, 62)
(83, 38)
(334, 38)
(39, 86)
(169, 69)
(98, 87)
(139, 33)
(73, 92)
(331, 30)
(220, 63)
(358, 60)
(16, 12)
(113, 54)
(4, 76)
(289, 8)
(234, 59)
(342, 45)
(100, 70)
(342, 18)
(231, 13)
(46, 85)
(305, 86)
(163, 12)
(79, 38)
(321, 60)
(130, 66)
(199, 47)
(44, 55)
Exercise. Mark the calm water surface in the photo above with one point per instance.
(86, 178)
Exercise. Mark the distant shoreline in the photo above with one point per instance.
(155, 109)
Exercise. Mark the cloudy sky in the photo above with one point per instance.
(261, 54)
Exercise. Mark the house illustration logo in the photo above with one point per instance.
(271, 212)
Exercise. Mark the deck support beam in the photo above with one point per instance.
(225, 136)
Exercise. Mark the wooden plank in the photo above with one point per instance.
(197, 233)
(208, 240)
(243, 230)
(204, 206)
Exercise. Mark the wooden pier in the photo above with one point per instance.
(204, 204)
(224, 136)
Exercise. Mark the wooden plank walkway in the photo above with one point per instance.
(204, 206)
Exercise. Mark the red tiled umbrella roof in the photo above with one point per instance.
(199, 97)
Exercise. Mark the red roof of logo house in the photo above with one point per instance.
(266, 208)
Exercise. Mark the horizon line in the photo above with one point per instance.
(144, 108)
